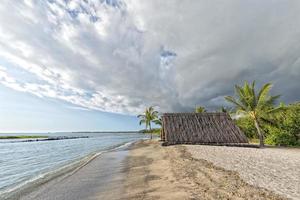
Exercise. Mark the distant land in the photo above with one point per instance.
(102, 132)
(35, 132)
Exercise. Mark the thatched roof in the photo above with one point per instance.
(200, 128)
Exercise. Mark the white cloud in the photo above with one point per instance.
(120, 56)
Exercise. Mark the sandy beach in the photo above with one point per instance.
(156, 172)
(276, 169)
(149, 171)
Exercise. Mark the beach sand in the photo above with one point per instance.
(149, 171)
(156, 172)
(276, 169)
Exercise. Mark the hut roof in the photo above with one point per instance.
(200, 128)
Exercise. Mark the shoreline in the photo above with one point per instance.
(24, 188)
(102, 176)
(146, 170)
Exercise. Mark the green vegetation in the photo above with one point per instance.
(158, 121)
(149, 116)
(200, 109)
(284, 129)
(247, 126)
(259, 107)
(23, 137)
(155, 131)
(224, 110)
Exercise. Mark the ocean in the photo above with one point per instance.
(24, 162)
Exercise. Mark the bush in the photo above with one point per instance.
(287, 128)
(281, 138)
(247, 126)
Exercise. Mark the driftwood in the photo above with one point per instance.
(201, 128)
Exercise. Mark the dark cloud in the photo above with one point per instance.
(120, 56)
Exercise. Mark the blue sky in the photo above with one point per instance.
(22, 112)
(95, 64)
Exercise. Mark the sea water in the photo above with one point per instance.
(22, 162)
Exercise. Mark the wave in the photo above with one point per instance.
(25, 187)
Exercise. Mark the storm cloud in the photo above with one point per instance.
(121, 56)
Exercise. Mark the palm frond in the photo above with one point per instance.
(272, 100)
(157, 121)
(141, 116)
(142, 121)
(275, 110)
(254, 100)
(241, 94)
(263, 93)
(236, 103)
(268, 121)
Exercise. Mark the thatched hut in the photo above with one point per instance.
(200, 128)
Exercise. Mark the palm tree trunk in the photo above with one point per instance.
(261, 136)
(150, 131)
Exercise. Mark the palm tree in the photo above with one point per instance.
(258, 106)
(150, 115)
(200, 109)
(158, 121)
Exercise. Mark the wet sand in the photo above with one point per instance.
(101, 178)
(149, 171)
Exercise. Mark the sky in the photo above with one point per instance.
(68, 65)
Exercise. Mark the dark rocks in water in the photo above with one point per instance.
(66, 137)
(56, 138)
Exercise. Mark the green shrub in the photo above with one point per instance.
(247, 126)
(281, 138)
(287, 127)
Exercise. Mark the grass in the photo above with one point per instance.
(23, 137)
